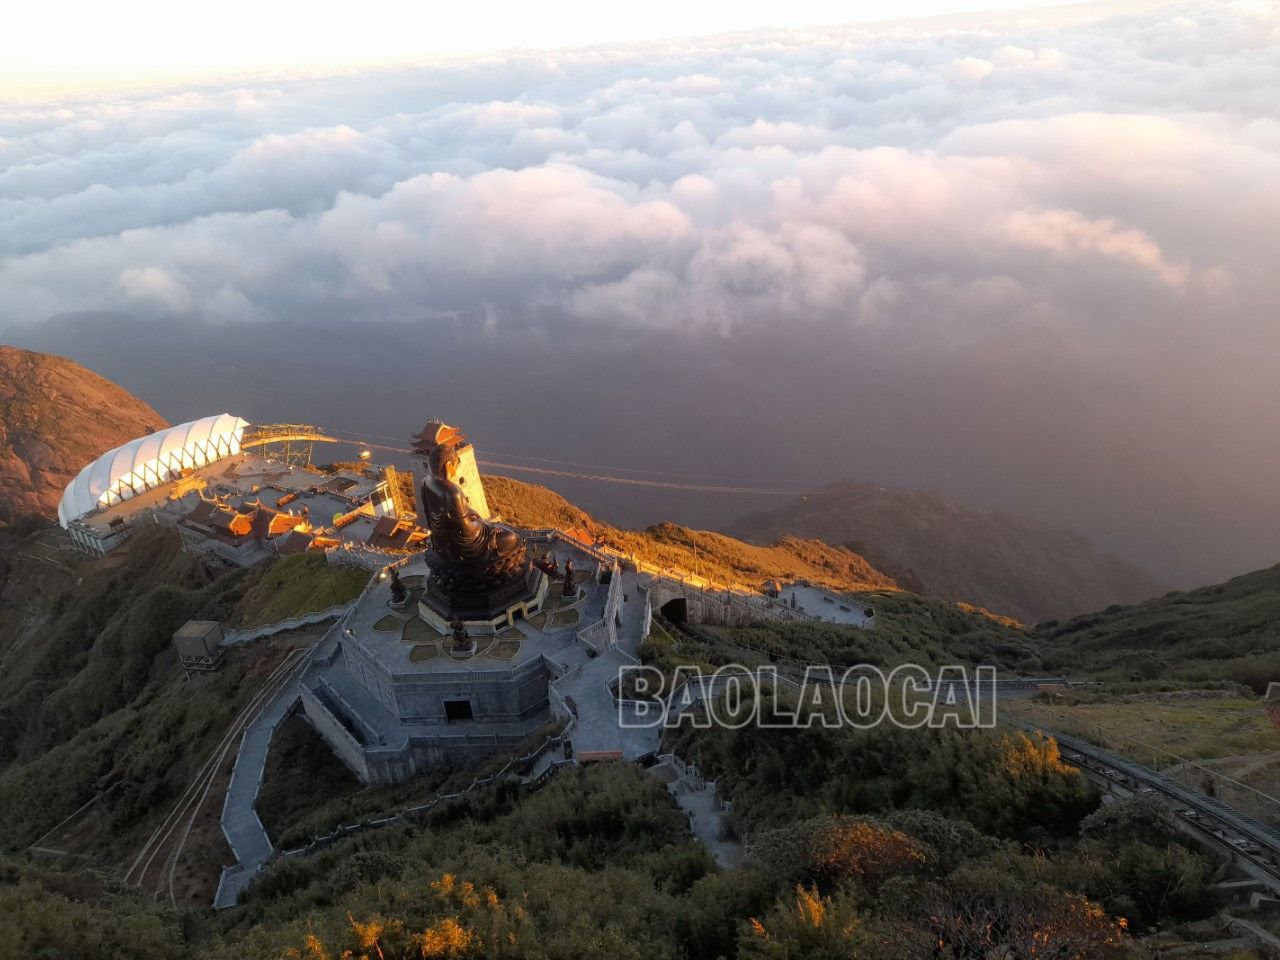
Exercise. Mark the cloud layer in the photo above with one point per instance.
(946, 176)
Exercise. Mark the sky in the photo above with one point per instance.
(70, 46)
(1024, 258)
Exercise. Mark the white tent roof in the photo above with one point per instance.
(193, 443)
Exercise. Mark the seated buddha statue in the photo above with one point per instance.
(472, 560)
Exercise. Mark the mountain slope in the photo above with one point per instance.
(712, 555)
(1017, 567)
(1228, 631)
(56, 416)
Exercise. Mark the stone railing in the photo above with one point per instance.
(596, 636)
(233, 638)
(721, 604)
(361, 555)
(604, 632)
(559, 704)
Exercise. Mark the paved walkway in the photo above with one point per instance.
(699, 801)
(598, 728)
(629, 638)
(240, 824)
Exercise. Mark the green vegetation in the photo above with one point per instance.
(599, 862)
(93, 698)
(307, 792)
(909, 629)
(302, 774)
(596, 862)
(1008, 786)
(300, 584)
(58, 916)
(1180, 678)
(94, 701)
(864, 843)
(1229, 631)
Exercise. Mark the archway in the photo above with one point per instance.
(675, 610)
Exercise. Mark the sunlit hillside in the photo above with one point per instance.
(699, 552)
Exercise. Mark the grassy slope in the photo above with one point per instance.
(1182, 674)
(93, 696)
(1200, 725)
(1228, 631)
(712, 555)
(296, 585)
(909, 629)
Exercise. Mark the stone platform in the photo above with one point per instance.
(390, 696)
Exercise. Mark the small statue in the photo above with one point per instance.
(570, 588)
(399, 593)
(461, 639)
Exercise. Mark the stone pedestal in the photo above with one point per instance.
(487, 614)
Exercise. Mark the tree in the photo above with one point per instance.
(809, 926)
(1134, 818)
(985, 913)
(833, 850)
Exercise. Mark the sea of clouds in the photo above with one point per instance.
(1088, 168)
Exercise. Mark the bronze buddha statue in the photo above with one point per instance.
(478, 568)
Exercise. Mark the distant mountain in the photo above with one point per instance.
(669, 545)
(55, 417)
(930, 545)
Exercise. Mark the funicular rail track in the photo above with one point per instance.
(169, 838)
(1245, 840)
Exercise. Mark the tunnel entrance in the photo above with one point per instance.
(676, 611)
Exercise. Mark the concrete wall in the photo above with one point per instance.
(386, 765)
(612, 604)
(501, 698)
(348, 749)
(604, 632)
(370, 675)
(717, 607)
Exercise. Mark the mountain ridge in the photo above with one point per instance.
(1018, 567)
(55, 417)
(700, 552)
